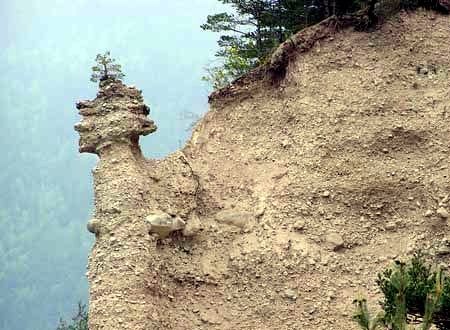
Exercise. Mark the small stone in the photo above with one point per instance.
(334, 241)
(385, 151)
(260, 210)
(326, 193)
(390, 225)
(442, 213)
(114, 210)
(286, 144)
(299, 225)
(311, 261)
(443, 250)
(84, 104)
(428, 213)
(331, 294)
(290, 294)
(93, 226)
(210, 317)
(235, 218)
(410, 247)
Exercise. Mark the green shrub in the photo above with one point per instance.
(412, 291)
(363, 317)
(420, 280)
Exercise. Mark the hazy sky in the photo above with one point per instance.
(159, 43)
(47, 48)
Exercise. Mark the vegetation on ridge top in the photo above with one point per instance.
(106, 68)
(253, 29)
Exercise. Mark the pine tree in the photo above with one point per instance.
(256, 27)
(106, 68)
(249, 35)
(363, 317)
(410, 289)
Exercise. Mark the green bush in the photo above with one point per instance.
(420, 280)
(412, 291)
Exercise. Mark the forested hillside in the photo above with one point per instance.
(46, 51)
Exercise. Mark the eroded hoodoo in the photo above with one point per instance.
(117, 116)
(128, 197)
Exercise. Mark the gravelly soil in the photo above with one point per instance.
(300, 193)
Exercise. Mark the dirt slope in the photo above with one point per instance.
(294, 196)
(348, 154)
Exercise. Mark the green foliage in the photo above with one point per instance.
(433, 300)
(363, 318)
(250, 33)
(420, 283)
(256, 27)
(233, 66)
(411, 289)
(106, 68)
(79, 320)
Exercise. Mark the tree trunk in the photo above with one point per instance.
(373, 19)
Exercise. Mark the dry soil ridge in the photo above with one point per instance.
(354, 142)
(303, 192)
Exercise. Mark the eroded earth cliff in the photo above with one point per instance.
(287, 200)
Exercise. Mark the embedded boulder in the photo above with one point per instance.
(93, 226)
(163, 224)
(239, 219)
